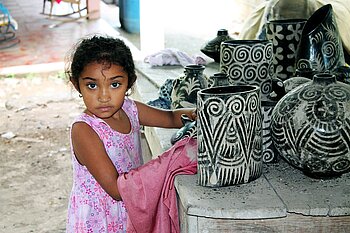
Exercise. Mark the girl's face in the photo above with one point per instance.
(103, 89)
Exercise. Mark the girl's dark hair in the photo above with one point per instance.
(103, 50)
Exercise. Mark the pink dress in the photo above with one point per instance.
(90, 208)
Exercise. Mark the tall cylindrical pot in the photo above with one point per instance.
(285, 35)
(248, 62)
(229, 135)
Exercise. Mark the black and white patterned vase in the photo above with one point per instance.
(285, 36)
(343, 74)
(270, 154)
(311, 126)
(218, 79)
(186, 86)
(320, 45)
(248, 62)
(229, 134)
(212, 47)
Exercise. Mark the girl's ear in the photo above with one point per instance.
(75, 84)
(129, 92)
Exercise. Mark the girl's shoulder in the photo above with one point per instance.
(92, 121)
(129, 105)
(96, 124)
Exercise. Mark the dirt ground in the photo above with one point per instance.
(35, 160)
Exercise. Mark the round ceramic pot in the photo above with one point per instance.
(212, 47)
(218, 79)
(343, 74)
(248, 62)
(311, 124)
(229, 135)
(320, 45)
(285, 35)
(186, 86)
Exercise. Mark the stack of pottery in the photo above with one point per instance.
(311, 122)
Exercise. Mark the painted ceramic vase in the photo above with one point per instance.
(229, 135)
(311, 126)
(343, 74)
(302, 75)
(212, 47)
(186, 86)
(285, 36)
(320, 45)
(218, 79)
(270, 154)
(248, 62)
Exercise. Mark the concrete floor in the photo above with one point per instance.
(45, 41)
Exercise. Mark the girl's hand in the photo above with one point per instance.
(194, 114)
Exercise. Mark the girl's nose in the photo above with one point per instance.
(104, 95)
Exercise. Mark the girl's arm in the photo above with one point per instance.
(151, 116)
(90, 152)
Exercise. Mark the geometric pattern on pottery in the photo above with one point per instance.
(285, 36)
(229, 139)
(270, 154)
(186, 86)
(311, 128)
(248, 62)
(320, 46)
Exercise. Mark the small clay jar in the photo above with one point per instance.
(218, 79)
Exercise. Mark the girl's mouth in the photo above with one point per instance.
(104, 109)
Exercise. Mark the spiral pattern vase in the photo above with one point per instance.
(320, 45)
(248, 62)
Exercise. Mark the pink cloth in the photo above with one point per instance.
(148, 191)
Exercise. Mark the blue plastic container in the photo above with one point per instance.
(129, 15)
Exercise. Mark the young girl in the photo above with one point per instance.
(105, 138)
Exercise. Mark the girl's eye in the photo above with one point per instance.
(92, 85)
(115, 85)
